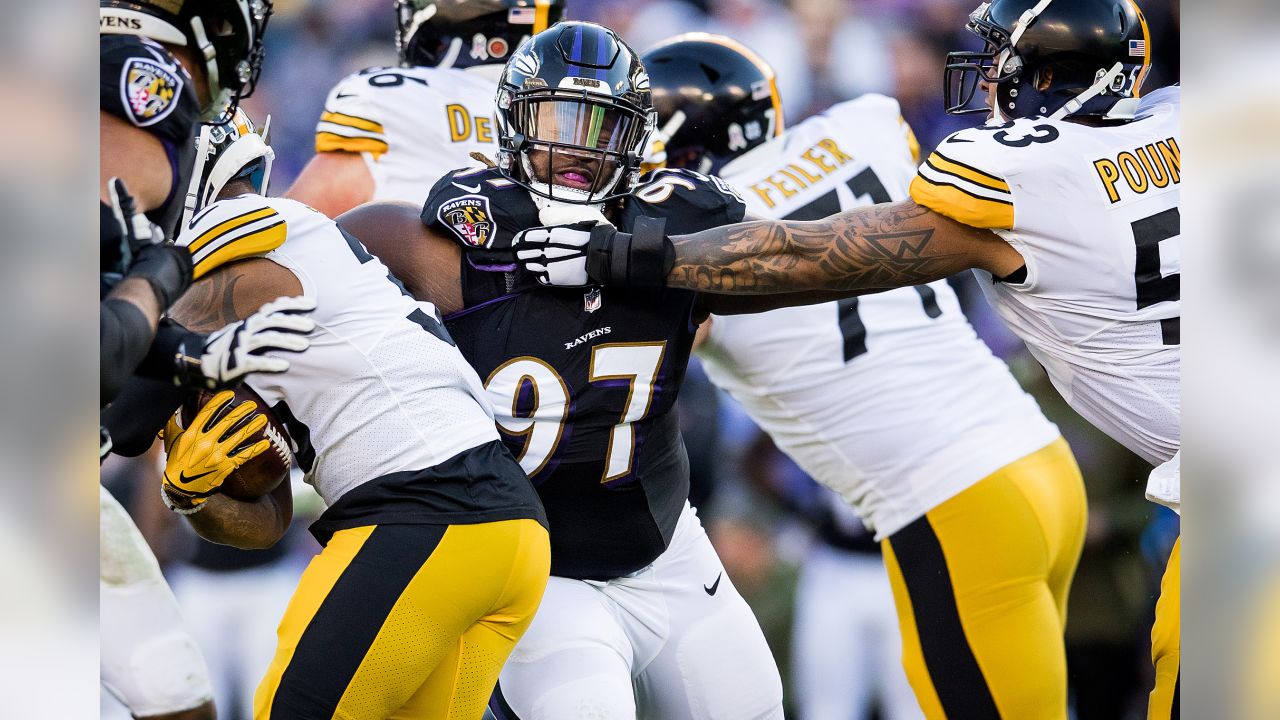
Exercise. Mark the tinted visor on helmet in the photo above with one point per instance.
(967, 71)
(576, 144)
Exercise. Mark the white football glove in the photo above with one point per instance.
(557, 256)
(237, 349)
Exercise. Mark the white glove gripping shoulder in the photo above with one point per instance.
(237, 349)
(557, 256)
(590, 253)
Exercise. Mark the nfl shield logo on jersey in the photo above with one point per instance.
(469, 218)
(150, 91)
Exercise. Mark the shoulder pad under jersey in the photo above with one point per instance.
(233, 229)
(878, 114)
(690, 202)
(479, 209)
(144, 85)
(967, 176)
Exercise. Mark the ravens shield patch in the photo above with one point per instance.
(469, 218)
(149, 90)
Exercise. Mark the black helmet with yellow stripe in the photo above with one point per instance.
(467, 33)
(1053, 58)
(716, 99)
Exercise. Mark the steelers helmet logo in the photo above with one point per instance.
(149, 91)
(469, 218)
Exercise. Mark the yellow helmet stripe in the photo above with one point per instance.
(764, 67)
(541, 14)
(1146, 60)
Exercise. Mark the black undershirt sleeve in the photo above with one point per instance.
(125, 338)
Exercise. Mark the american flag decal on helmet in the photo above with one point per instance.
(1137, 48)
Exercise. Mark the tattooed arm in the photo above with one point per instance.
(226, 295)
(859, 251)
(761, 265)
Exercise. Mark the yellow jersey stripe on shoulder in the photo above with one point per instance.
(352, 121)
(260, 242)
(961, 205)
(942, 163)
(228, 226)
(333, 142)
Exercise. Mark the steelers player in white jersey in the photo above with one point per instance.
(936, 444)
(435, 547)
(389, 133)
(1066, 205)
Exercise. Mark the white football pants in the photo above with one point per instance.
(674, 641)
(846, 649)
(149, 661)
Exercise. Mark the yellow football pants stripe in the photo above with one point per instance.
(1166, 641)
(438, 651)
(314, 586)
(1010, 545)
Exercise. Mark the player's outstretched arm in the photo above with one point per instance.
(429, 265)
(862, 250)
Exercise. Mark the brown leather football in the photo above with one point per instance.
(264, 473)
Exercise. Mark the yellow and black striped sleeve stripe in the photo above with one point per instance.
(963, 193)
(249, 234)
(343, 132)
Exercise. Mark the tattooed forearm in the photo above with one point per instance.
(246, 524)
(210, 303)
(232, 293)
(868, 249)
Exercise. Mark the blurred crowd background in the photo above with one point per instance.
(768, 520)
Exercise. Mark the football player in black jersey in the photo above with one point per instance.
(163, 66)
(638, 618)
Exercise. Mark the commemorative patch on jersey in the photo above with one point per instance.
(469, 218)
(149, 90)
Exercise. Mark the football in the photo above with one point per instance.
(264, 473)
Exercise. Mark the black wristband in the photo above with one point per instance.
(651, 254)
(174, 355)
(641, 258)
(166, 268)
(600, 254)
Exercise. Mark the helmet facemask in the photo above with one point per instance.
(966, 71)
(1043, 75)
(228, 151)
(575, 146)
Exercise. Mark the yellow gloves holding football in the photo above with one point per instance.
(204, 454)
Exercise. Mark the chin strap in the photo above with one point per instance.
(1025, 21)
(1094, 91)
(554, 212)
